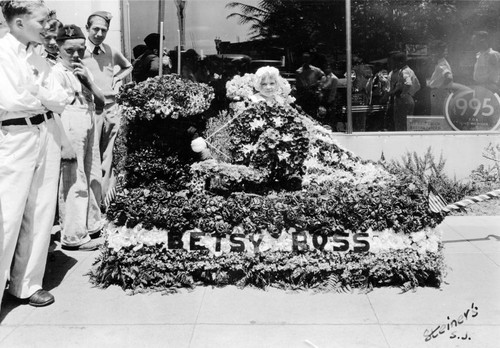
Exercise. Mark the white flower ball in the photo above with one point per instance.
(198, 145)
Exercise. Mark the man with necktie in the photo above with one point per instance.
(101, 60)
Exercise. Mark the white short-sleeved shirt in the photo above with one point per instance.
(437, 79)
(408, 78)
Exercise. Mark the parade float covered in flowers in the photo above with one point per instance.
(278, 203)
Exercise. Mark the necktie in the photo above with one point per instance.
(96, 50)
(51, 56)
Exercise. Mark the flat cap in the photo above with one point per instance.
(153, 40)
(69, 32)
(103, 14)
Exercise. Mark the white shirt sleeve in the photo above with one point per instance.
(50, 92)
(16, 98)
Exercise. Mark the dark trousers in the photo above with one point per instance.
(403, 106)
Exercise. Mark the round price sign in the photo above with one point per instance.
(476, 108)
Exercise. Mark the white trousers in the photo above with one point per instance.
(80, 185)
(29, 172)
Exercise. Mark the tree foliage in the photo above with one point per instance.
(378, 26)
(295, 24)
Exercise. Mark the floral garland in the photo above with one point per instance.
(167, 96)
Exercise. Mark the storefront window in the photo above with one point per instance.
(425, 65)
(426, 49)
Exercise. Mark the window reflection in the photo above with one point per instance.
(446, 76)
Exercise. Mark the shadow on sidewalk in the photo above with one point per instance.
(488, 237)
(58, 265)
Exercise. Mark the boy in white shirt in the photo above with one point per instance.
(79, 209)
(30, 152)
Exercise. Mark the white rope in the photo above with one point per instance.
(471, 200)
(223, 126)
(219, 151)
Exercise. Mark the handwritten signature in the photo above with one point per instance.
(470, 313)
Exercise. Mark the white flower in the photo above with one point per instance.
(249, 148)
(278, 121)
(433, 246)
(313, 150)
(283, 155)
(208, 242)
(418, 236)
(257, 123)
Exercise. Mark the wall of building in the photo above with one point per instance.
(461, 150)
(77, 12)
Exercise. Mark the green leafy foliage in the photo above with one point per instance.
(487, 177)
(401, 206)
(425, 169)
(167, 96)
(378, 26)
(154, 268)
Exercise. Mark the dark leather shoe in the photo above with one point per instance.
(41, 298)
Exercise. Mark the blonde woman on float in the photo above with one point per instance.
(268, 84)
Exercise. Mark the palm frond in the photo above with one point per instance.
(244, 19)
(247, 9)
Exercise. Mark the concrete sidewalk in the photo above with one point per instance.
(83, 316)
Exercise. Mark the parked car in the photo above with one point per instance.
(256, 64)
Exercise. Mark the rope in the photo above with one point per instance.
(219, 151)
(223, 126)
(471, 200)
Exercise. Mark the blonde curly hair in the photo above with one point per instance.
(271, 73)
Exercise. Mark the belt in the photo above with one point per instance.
(34, 120)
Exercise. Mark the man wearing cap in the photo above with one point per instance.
(101, 60)
(148, 64)
(30, 152)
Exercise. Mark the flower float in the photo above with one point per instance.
(286, 206)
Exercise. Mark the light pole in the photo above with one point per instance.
(181, 5)
(349, 65)
(217, 41)
(161, 14)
